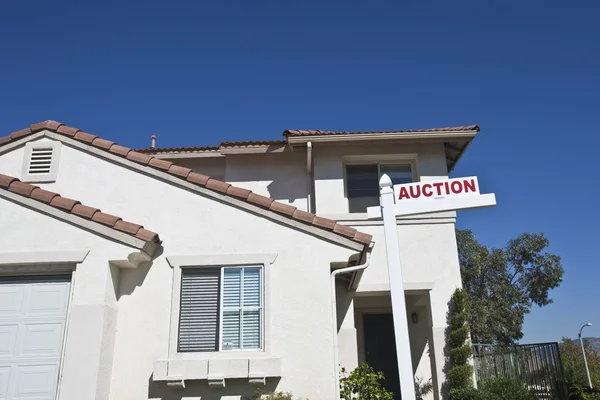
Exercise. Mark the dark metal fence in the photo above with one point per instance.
(538, 365)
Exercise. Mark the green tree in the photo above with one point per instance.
(503, 284)
(572, 360)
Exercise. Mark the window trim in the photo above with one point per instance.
(390, 159)
(263, 260)
(50, 176)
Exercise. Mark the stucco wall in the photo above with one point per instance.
(280, 176)
(329, 163)
(189, 224)
(92, 318)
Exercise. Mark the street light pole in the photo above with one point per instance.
(587, 370)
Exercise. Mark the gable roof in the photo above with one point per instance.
(275, 208)
(44, 198)
(312, 132)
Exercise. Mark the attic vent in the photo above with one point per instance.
(40, 161)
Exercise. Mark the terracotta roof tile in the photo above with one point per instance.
(177, 171)
(5, 139)
(38, 126)
(42, 195)
(127, 227)
(324, 222)
(64, 203)
(344, 230)
(22, 188)
(160, 164)
(67, 130)
(200, 179)
(139, 157)
(200, 149)
(53, 125)
(260, 200)
(5, 181)
(238, 192)
(282, 208)
(103, 144)
(105, 219)
(120, 150)
(316, 132)
(304, 216)
(147, 235)
(84, 211)
(217, 185)
(180, 171)
(20, 133)
(85, 137)
(14, 185)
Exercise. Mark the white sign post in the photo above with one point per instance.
(412, 199)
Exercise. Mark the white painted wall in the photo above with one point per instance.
(280, 176)
(189, 224)
(92, 318)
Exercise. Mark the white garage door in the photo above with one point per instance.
(32, 324)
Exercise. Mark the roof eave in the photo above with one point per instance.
(381, 136)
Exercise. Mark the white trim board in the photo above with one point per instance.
(44, 257)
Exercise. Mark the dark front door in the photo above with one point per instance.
(380, 349)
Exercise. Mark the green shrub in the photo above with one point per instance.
(460, 355)
(277, 396)
(459, 336)
(505, 389)
(460, 375)
(580, 392)
(465, 394)
(363, 384)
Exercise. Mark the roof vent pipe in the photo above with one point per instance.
(153, 141)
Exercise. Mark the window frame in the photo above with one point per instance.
(41, 178)
(222, 261)
(402, 159)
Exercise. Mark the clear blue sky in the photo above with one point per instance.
(202, 72)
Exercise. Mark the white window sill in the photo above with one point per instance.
(256, 368)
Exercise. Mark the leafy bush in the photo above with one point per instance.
(572, 360)
(275, 396)
(580, 392)
(363, 384)
(465, 394)
(495, 389)
(460, 375)
(505, 389)
(422, 389)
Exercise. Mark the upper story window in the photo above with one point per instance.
(362, 183)
(220, 309)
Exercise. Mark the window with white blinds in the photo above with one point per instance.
(220, 309)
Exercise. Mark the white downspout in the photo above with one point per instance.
(336, 357)
(309, 176)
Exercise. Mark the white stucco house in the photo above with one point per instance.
(214, 272)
